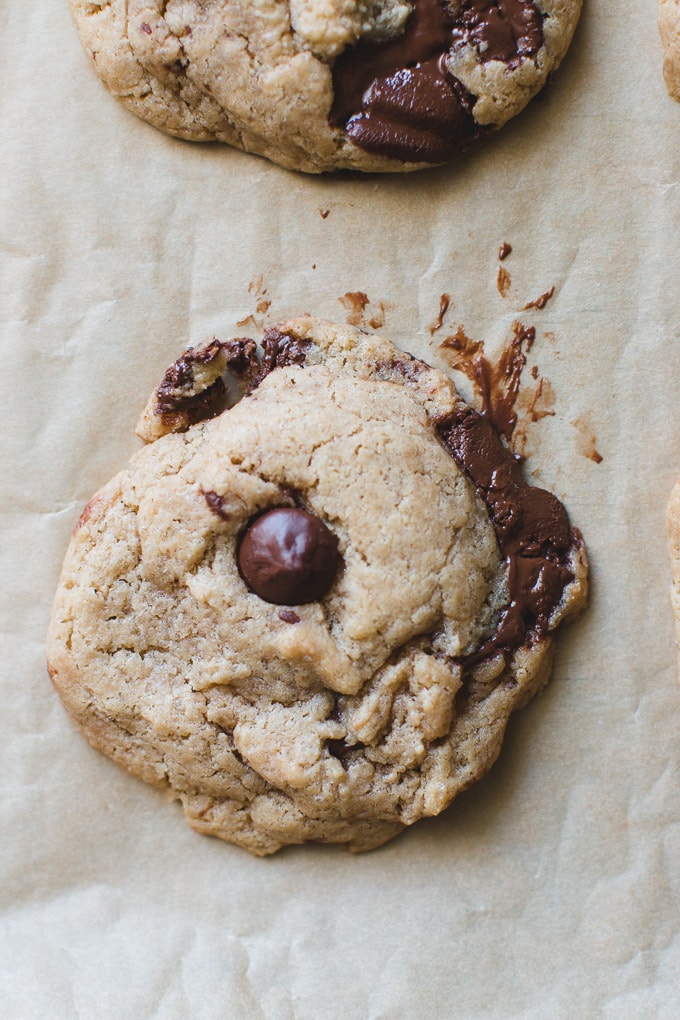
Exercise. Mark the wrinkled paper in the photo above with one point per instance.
(552, 888)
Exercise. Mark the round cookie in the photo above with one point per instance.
(437, 577)
(316, 85)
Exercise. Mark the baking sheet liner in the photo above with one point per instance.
(552, 888)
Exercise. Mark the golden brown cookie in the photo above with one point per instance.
(310, 616)
(378, 85)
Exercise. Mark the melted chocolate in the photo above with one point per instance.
(397, 99)
(531, 526)
(281, 350)
(178, 402)
(506, 30)
(541, 301)
(288, 556)
(497, 384)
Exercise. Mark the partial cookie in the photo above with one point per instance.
(375, 85)
(311, 616)
(673, 527)
(669, 30)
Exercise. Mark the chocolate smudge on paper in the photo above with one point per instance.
(540, 302)
(503, 281)
(356, 302)
(585, 440)
(497, 384)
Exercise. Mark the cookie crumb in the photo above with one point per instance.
(262, 304)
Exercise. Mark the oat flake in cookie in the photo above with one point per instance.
(310, 616)
(375, 85)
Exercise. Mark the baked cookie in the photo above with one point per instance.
(376, 85)
(673, 528)
(310, 616)
(669, 30)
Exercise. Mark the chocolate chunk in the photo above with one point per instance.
(397, 98)
(506, 30)
(531, 526)
(281, 350)
(288, 556)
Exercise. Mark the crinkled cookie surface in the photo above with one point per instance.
(343, 717)
(317, 85)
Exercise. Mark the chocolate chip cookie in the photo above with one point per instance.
(375, 85)
(308, 613)
(669, 30)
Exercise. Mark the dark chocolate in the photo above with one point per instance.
(497, 385)
(340, 749)
(506, 30)
(288, 556)
(177, 400)
(531, 526)
(397, 99)
(281, 350)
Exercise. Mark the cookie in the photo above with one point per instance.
(669, 30)
(315, 85)
(309, 616)
(673, 529)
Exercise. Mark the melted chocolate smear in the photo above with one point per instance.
(531, 526)
(397, 99)
(506, 30)
(496, 385)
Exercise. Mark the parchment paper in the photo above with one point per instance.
(552, 888)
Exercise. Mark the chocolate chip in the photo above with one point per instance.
(288, 556)
(397, 98)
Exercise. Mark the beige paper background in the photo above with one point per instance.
(552, 889)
